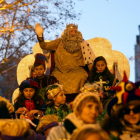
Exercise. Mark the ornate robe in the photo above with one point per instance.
(69, 69)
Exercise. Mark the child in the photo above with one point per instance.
(46, 123)
(86, 108)
(124, 122)
(39, 70)
(100, 73)
(28, 101)
(56, 104)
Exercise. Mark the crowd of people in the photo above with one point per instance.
(80, 100)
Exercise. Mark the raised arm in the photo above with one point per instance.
(52, 45)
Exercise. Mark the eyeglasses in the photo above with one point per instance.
(135, 110)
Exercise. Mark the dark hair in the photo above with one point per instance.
(38, 64)
(4, 113)
(20, 100)
(93, 71)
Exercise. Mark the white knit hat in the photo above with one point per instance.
(81, 96)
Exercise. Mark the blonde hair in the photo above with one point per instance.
(85, 101)
(86, 132)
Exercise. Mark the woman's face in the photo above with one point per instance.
(132, 114)
(29, 93)
(90, 113)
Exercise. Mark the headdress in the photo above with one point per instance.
(127, 93)
(28, 83)
(46, 122)
(71, 25)
(53, 90)
(90, 88)
(81, 96)
(40, 59)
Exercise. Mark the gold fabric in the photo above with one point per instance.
(68, 67)
(9, 105)
(45, 120)
(53, 92)
(16, 127)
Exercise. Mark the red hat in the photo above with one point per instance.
(40, 59)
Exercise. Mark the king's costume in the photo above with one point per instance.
(71, 56)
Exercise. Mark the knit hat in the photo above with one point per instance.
(46, 122)
(40, 59)
(28, 83)
(53, 90)
(81, 97)
(127, 93)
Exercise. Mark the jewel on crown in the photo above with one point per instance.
(72, 25)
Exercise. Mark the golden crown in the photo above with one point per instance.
(107, 88)
(72, 25)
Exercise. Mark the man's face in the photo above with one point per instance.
(72, 31)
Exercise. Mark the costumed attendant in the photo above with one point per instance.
(46, 123)
(101, 75)
(28, 103)
(56, 102)
(86, 108)
(39, 70)
(72, 54)
(123, 121)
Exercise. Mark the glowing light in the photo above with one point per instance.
(102, 47)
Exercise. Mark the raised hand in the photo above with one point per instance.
(39, 30)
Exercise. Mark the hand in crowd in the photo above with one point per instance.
(21, 110)
(32, 112)
(39, 30)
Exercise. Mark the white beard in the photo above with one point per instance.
(72, 44)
